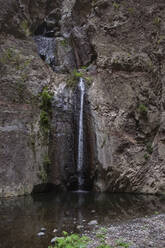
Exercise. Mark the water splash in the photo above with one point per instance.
(81, 135)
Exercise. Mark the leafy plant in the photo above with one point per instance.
(46, 101)
(104, 246)
(46, 162)
(116, 5)
(149, 148)
(122, 244)
(142, 109)
(71, 241)
(146, 156)
(157, 21)
(101, 235)
(131, 10)
(44, 121)
(64, 43)
(74, 77)
(25, 27)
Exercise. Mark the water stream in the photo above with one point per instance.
(80, 159)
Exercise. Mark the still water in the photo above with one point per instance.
(22, 218)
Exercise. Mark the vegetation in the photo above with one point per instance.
(121, 243)
(64, 43)
(142, 109)
(46, 162)
(75, 76)
(146, 156)
(71, 241)
(116, 5)
(131, 10)
(157, 21)
(73, 79)
(101, 236)
(25, 27)
(43, 175)
(45, 114)
(77, 241)
(149, 148)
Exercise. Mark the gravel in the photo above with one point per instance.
(138, 233)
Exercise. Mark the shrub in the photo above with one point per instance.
(71, 241)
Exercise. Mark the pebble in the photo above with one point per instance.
(93, 222)
(79, 227)
(43, 229)
(53, 240)
(40, 234)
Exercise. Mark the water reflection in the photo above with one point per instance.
(22, 218)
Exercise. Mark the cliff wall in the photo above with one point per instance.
(119, 48)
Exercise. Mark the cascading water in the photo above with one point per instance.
(80, 159)
(46, 48)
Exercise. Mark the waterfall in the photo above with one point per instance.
(46, 48)
(80, 159)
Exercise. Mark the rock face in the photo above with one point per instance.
(119, 47)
